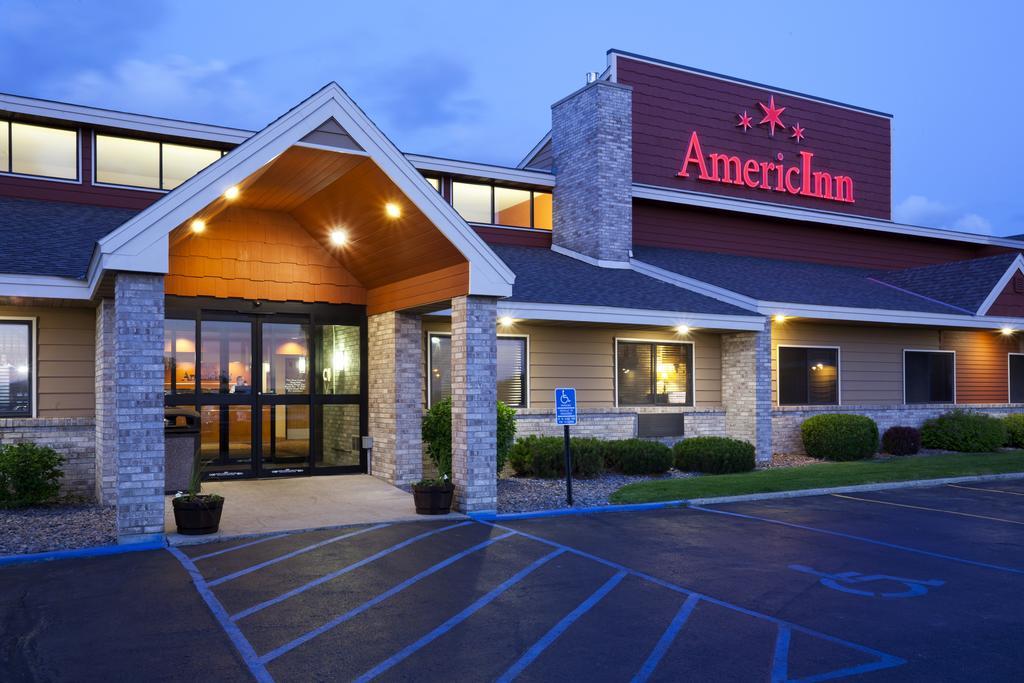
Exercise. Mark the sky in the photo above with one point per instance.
(475, 80)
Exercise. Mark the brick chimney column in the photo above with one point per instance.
(592, 143)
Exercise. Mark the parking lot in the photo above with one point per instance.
(908, 584)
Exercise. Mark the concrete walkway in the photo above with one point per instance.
(263, 506)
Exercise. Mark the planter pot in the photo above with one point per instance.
(198, 516)
(433, 500)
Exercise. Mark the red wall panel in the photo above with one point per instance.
(669, 104)
(1011, 301)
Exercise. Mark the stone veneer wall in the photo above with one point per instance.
(474, 394)
(395, 403)
(72, 437)
(747, 388)
(616, 423)
(786, 420)
(592, 141)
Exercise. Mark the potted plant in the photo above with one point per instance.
(433, 496)
(196, 513)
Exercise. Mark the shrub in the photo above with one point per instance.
(964, 431)
(638, 456)
(29, 475)
(713, 455)
(437, 434)
(544, 456)
(901, 441)
(1014, 430)
(839, 436)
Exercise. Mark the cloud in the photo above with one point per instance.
(920, 210)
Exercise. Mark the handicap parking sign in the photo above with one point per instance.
(565, 406)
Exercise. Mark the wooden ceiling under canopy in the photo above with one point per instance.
(402, 262)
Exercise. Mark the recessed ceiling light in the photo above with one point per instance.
(505, 321)
(779, 318)
(198, 225)
(393, 210)
(232, 192)
(339, 237)
(1007, 330)
(683, 329)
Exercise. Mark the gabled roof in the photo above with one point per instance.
(141, 244)
(964, 284)
(545, 276)
(790, 281)
(53, 238)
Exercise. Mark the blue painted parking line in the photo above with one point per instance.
(451, 623)
(537, 648)
(238, 547)
(882, 661)
(978, 488)
(340, 572)
(241, 643)
(780, 655)
(929, 509)
(294, 553)
(306, 637)
(666, 639)
(862, 539)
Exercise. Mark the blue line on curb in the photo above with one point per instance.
(561, 512)
(98, 551)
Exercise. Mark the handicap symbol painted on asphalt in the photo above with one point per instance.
(844, 581)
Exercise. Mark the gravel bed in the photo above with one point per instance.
(790, 460)
(56, 527)
(523, 494)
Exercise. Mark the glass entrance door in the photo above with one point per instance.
(279, 393)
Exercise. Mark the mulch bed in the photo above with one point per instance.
(523, 494)
(56, 527)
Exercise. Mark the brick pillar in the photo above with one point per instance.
(592, 143)
(747, 388)
(395, 399)
(474, 403)
(130, 405)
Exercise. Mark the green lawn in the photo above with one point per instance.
(823, 475)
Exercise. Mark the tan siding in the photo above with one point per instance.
(583, 357)
(65, 354)
(871, 358)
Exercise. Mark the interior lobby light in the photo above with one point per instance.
(393, 210)
(231, 193)
(505, 321)
(682, 329)
(339, 237)
(198, 225)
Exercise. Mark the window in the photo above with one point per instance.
(808, 376)
(513, 207)
(179, 356)
(1016, 369)
(39, 150)
(153, 165)
(653, 373)
(434, 182)
(16, 374)
(929, 376)
(511, 374)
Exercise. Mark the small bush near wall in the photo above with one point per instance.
(713, 455)
(437, 434)
(544, 457)
(901, 440)
(839, 436)
(638, 456)
(1014, 430)
(29, 475)
(964, 431)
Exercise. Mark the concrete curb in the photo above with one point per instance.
(96, 551)
(799, 493)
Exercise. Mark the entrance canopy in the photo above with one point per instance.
(320, 176)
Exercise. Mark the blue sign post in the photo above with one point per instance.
(565, 415)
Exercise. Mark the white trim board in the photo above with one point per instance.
(628, 316)
(470, 168)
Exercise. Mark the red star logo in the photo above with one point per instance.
(772, 115)
(798, 132)
(745, 121)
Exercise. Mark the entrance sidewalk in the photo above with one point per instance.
(260, 506)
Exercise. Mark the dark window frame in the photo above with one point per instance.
(952, 401)
(691, 380)
(9, 171)
(809, 347)
(1009, 377)
(30, 325)
(428, 357)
